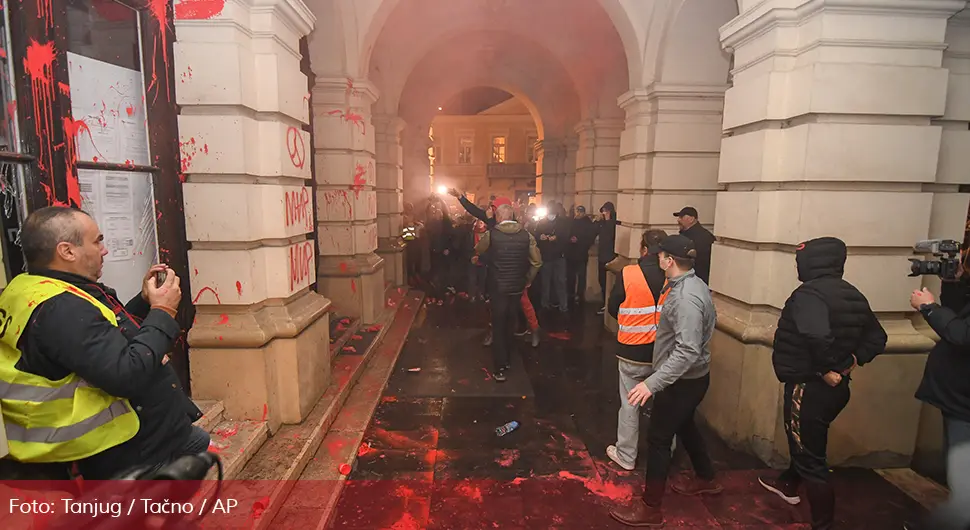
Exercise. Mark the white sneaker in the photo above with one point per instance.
(615, 457)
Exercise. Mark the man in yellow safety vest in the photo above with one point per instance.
(635, 303)
(84, 378)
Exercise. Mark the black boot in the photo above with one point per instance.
(821, 500)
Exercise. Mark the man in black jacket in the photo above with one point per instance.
(553, 235)
(513, 260)
(826, 329)
(635, 357)
(703, 241)
(67, 334)
(946, 377)
(577, 255)
(606, 232)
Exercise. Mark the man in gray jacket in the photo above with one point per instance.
(682, 359)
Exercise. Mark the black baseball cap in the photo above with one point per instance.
(581, 209)
(678, 246)
(687, 210)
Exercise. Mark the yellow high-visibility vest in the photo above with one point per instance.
(53, 421)
(639, 313)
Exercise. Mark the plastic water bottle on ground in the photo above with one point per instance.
(507, 428)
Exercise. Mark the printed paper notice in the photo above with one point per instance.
(110, 100)
(119, 236)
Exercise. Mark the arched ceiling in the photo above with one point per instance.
(530, 74)
(575, 37)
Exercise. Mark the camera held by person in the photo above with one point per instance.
(947, 267)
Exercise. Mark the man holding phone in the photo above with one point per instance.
(84, 378)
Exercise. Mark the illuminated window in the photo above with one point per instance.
(498, 150)
(530, 149)
(465, 150)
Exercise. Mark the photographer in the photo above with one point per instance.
(946, 378)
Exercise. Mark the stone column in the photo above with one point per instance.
(668, 158)
(255, 344)
(551, 156)
(417, 166)
(350, 273)
(828, 132)
(597, 162)
(390, 197)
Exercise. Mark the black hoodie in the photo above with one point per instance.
(826, 321)
(607, 234)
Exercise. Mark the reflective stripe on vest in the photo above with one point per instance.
(53, 421)
(639, 313)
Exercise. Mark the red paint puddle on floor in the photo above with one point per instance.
(226, 433)
(375, 328)
(559, 335)
(597, 486)
(356, 337)
(472, 492)
(389, 399)
(509, 456)
(349, 349)
(488, 376)
(365, 449)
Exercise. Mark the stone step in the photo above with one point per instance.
(341, 329)
(314, 496)
(212, 414)
(236, 442)
(268, 478)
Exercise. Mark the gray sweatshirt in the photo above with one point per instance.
(682, 348)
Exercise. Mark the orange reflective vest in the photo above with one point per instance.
(639, 313)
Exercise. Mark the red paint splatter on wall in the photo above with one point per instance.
(3, 53)
(38, 64)
(188, 150)
(198, 9)
(265, 413)
(204, 289)
(64, 88)
(223, 320)
(353, 286)
(351, 89)
(351, 117)
(130, 110)
(187, 74)
(343, 267)
(239, 288)
(45, 11)
(360, 178)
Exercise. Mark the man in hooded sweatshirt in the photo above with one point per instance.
(606, 230)
(826, 330)
(513, 260)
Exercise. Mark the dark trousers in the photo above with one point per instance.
(673, 414)
(477, 275)
(809, 410)
(602, 271)
(576, 279)
(441, 276)
(505, 310)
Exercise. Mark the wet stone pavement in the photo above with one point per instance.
(431, 459)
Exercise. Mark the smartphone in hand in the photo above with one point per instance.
(160, 277)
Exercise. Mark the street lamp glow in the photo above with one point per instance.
(442, 189)
(439, 108)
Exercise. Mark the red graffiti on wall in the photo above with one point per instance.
(45, 10)
(338, 197)
(239, 287)
(295, 147)
(39, 66)
(187, 74)
(297, 208)
(204, 289)
(351, 117)
(198, 9)
(300, 263)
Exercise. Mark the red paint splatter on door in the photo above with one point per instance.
(38, 64)
(159, 11)
(72, 129)
(198, 9)
(64, 88)
(45, 11)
